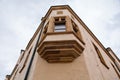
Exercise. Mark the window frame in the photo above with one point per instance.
(26, 59)
(61, 20)
(76, 30)
(100, 56)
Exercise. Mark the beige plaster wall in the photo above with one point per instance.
(75, 70)
(96, 69)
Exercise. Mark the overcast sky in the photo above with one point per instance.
(20, 18)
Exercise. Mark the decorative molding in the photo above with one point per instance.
(60, 51)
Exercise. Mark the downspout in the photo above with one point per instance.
(31, 60)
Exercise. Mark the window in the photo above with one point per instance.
(76, 29)
(45, 29)
(100, 57)
(22, 55)
(60, 27)
(26, 59)
(59, 24)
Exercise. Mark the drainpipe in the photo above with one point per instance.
(31, 60)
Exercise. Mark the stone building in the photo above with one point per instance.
(63, 48)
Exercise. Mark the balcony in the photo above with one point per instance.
(60, 47)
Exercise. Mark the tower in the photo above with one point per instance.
(63, 48)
